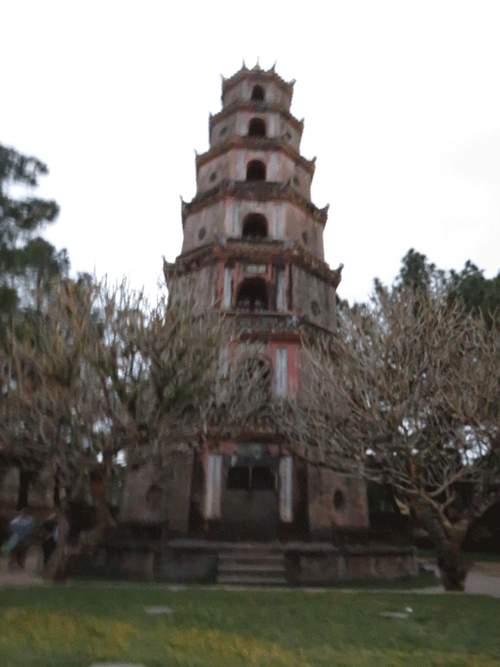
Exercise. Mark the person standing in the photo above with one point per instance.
(18, 544)
(50, 534)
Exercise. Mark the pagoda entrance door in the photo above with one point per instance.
(250, 499)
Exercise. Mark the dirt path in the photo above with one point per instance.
(483, 579)
(28, 577)
(479, 583)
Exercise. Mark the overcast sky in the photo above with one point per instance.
(401, 102)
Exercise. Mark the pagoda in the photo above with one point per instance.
(253, 248)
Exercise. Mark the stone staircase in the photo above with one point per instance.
(251, 565)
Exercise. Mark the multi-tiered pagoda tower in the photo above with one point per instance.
(253, 247)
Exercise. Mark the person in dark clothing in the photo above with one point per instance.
(49, 539)
(4, 525)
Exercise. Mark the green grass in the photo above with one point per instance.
(476, 556)
(425, 579)
(75, 626)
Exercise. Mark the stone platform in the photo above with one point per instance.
(288, 564)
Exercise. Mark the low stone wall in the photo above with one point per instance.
(188, 565)
(323, 564)
(135, 563)
(196, 561)
(189, 562)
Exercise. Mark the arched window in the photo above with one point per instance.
(256, 171)
(254, 227)
(257, 128)
(252, 295)
(258, 94)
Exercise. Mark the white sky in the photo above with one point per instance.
(401, 102)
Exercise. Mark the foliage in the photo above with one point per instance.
(69, 626)
(27, 262)
(418, 274)
(477, 295)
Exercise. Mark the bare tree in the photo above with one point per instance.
(98, 371)
(228, 368)
(408, 394)
(53, 413)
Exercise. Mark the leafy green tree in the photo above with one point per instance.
(415, 271)
(478, 295)
(418, 274)
(27, 261)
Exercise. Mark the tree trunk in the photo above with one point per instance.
(60, 552)
(448, 539)
(451, 564)
(65, 557)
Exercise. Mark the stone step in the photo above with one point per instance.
(250, 554)
(228, 567)
(251, 565)
(240, 580)
(245, 558)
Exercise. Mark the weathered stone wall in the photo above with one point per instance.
(221, 167)
(302, 227)
(274, 93)
(323, 565)
(285, 220)
(202, 227)
(287, 169)
(335, 500)
(289, 133)
(199, 286)
(232, 164)
(278, 125)
(178, 493)
(314, 298)
(139, 502)
(188, 566)
(195, 561)
(225, 129)
(152, 496)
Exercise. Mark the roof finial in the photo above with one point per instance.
(243, 65)
(273, 68)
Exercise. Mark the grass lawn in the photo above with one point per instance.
(476, 556)
(84, 623)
